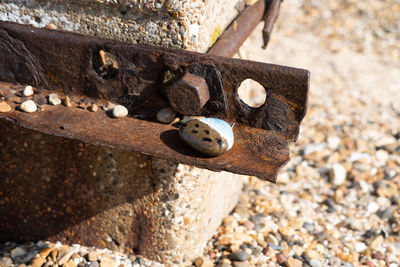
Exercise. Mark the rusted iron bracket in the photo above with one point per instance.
(73, 65)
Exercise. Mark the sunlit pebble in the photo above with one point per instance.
(4, 107)
(93, 108)
(54, 99)
(28, 91)
(28, 106)
(67, 101)
(119, 111)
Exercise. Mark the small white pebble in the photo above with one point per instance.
(54, 99)
(28, 106)
(28, 91)
(333, 142)
(359, 247)
(338, 174)
(372, 207)
(166, 115)
(119, 111)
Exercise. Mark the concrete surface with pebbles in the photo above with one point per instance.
(337, 202)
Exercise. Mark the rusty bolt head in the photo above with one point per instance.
(188, 94)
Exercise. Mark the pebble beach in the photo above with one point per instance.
(337, 202)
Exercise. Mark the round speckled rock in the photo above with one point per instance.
(119, 111)
(28, 106)
(209, 136)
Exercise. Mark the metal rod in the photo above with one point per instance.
(233, 38)
(271, 15)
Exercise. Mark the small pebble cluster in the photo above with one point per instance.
(56, 254)
(30, 103)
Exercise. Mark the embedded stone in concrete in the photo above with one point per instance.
(192, 25)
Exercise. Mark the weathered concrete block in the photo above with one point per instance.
(59, 189)
(192, 25)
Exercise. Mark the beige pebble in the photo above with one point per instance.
(38, 262)
(51, 27)
(46, 251)
(312, 254)
(28, 106)
(107, 263)
(251, 2)
(119, 111)
(67, 101)
(203, 262)
(286, 231)
(70, 263)
(65, 258)
(292, 262)
(28, 91)
(108, 106)
(93, 256)
(242, 237)
(4, 107)
(93, 108)
(54, 99)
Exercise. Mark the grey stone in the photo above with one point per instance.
(386, 213)
(166, 115)
(309, 226)
(17, 252)
(239, 255)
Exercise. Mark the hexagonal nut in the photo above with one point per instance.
(188, 94)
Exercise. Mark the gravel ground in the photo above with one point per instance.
(337, 202)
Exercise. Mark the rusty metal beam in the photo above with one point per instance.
(68, 63)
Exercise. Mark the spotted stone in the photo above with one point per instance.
(209, 136)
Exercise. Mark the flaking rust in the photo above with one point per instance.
(99, 71)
